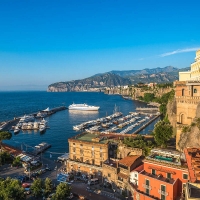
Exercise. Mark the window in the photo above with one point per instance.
(184, 185)
(195, 90)
(81, 145)
(81, 159)
(101, 155)
(169, 175)
(74, 149)
(81, 151)
(109, 175)
(183, 91)
(135, 175)
(92, 161)
(153, 171)
(163, 190)
(74, 157)
(120, 179)
(147, 186)
(73, 143)
(185, 176)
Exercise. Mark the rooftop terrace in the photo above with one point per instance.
(167, 156)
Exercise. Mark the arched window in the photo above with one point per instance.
(195, 90)
(183, 91)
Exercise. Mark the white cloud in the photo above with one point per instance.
(179, 51)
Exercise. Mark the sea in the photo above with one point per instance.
(16, 104)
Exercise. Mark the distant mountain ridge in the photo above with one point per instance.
(118, 78)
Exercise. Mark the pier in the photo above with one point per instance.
(145, 125)
(147, 109)
(6, 126)
(40, 148)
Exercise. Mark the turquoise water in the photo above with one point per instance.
(14, 104)
(163, 158)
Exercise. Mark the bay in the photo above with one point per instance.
(15, 104)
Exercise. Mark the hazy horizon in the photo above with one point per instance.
(43, 42)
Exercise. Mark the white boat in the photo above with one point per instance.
(83, 107)
(42, 128)
(27, 118)
(16, 130)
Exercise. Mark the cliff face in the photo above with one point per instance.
(171, 112)
(190, 138)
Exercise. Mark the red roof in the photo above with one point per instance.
(129, 160)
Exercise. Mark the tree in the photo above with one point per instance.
(4, 135)
(17, 162)
(62, 191)
(148, 97)
(162, 133)
(48, 186)
(11, 189)
(36, 187)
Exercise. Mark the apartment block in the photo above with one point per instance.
(163, 176)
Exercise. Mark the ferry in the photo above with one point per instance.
(83, 107)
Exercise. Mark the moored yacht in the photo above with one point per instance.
(83, 107)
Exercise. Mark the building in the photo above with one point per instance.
(187, 94)
(117, 172)
(87, 152)
(162, 176)
(123, 151)
(192, 191)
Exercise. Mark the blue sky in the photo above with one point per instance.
(47, 41)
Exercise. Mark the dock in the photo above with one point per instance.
(40, 148)
(145, 125)
(6, 126)
(147, 109)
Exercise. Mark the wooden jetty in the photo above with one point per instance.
(145, 125)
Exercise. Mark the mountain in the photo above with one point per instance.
(118, 78)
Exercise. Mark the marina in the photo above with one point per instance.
(115, 122)
(62, 123)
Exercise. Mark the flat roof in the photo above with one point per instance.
(89, 137)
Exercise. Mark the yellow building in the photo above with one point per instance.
(194, 73)
(187, 94)
(87, 152)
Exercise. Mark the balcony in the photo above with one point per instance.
(163, 193)
(158, 177)
(146, 186)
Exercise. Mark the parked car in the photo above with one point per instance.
(26, 185)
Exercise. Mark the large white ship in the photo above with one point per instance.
(83, 107)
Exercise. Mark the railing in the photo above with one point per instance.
(163, 192)
(146, 186)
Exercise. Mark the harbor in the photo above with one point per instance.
(60, 125)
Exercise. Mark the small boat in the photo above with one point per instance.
(42, 128)
(16, 130)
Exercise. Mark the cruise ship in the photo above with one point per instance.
(83, 107)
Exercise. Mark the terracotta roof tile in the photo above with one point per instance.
(129, 160)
